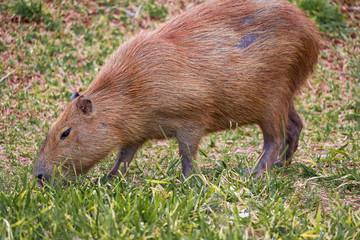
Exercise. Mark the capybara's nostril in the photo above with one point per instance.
(40, 180)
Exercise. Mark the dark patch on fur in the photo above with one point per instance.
(246, 20)
(247, 41)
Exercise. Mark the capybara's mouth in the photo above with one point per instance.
(40, 182)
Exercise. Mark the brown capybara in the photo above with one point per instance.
(222, 63)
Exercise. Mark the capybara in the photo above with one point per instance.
(222, 63)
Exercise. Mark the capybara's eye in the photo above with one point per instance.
(65, 134)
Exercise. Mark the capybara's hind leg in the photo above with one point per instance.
(293, 130)
(124, 156)
(273, 138)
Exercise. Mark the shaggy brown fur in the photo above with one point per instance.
(222, 63)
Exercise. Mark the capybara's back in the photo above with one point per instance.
(220, 64)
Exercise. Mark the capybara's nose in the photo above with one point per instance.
(40, 179)
(40, 172)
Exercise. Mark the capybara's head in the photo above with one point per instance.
(75, 142)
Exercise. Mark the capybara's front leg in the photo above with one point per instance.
(188, 139)
(125, 156)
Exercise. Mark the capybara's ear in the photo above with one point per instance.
(84, 104)
(75, 95)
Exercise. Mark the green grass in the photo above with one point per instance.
(49, 50)
(328, 16)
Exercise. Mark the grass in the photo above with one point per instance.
(328, 16)
(49, 50)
